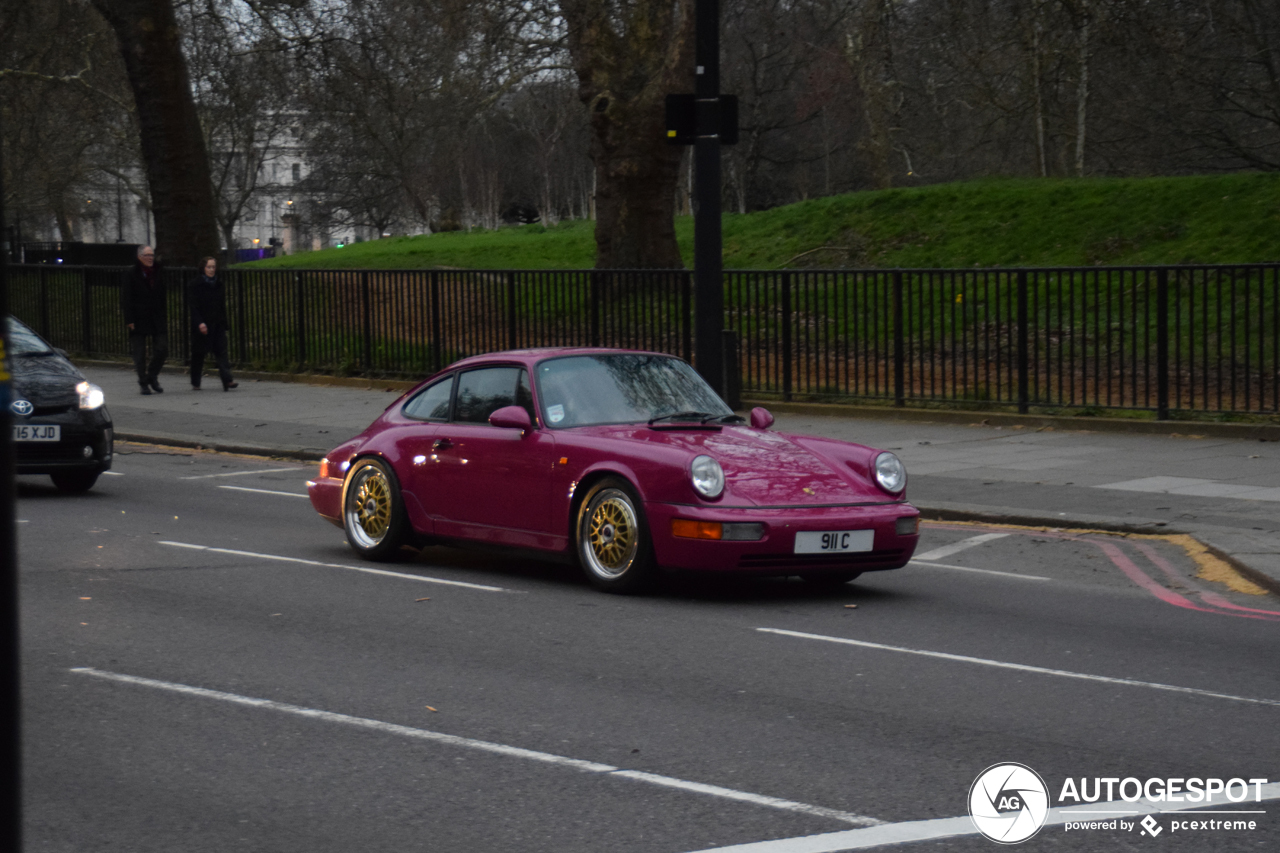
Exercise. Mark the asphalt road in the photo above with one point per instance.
(208, 667)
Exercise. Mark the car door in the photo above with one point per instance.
(413, 439)
(492, 483)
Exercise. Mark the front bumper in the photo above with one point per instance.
(79, 430)
(774, 554)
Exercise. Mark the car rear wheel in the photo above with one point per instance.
(74, 482)
(373, 511)
(830, 579)
(613, 539)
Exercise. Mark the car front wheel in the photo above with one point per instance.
(74, 482)
(373, 511)
(613, 539)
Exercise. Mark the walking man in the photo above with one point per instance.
(145, 307)
(208, 302)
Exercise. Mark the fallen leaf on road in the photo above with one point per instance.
(422, 599)
(432, 710)
(85, 598)
(851, 607)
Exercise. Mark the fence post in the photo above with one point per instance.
(437, 352)
(786, 337)
(686, 319)
(1162, 344)
(44, 304)
(301, 326)
(899, 344)
(366, 312)
(242, 333)
(732, 379)
(1023, 393)
(86, 311)
(511, 309)
(593, 299)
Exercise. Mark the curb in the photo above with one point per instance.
(219, 446)
(1183, 429)
(1260, 578)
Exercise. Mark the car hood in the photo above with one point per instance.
(765, 468)
(45, 380)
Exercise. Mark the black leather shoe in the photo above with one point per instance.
(195, 387)
(146, 390)
(227, 386)
(155, 386)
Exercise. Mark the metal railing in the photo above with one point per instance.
(1173, 339)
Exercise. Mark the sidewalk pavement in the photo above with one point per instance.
(1223, 489)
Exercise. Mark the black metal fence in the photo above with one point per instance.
(1169, 339)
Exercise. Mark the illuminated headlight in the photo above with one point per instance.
(890, 473)
(707, 476)
(91, 396)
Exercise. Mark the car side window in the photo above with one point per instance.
(432, 403)
(482, 392)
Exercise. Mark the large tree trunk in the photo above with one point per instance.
(628, 58)
(172, 145)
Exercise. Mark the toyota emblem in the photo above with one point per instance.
(22, 407)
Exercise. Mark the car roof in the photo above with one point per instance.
(534, 355)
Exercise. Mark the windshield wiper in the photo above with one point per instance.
(725, 419)
(682, 416)
(35, 354)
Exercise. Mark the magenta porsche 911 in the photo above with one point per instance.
(624, 461)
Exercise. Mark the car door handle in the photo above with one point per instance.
(441, 444)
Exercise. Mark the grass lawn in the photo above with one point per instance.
(1207, 219)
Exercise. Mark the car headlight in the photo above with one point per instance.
(91, 396)
(891, 475)
(708, 478)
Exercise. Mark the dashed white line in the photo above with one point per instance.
(607, 770)
(239, 473)
(1022, 667)
(934, 565)
(363, 569)
(263, 491)
(957, 547)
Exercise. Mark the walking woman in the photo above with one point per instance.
(208, 303)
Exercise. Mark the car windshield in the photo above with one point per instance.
(623, 388)
(23, 341)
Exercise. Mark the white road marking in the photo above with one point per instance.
(114, 473)
(1022, 667)
(263, 491)
(946, 827)
(963, 544)
(240, 473)
(485, 746)
(934, 565)
(364, 569)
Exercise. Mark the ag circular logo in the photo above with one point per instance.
(22, 407)
(1008, 803)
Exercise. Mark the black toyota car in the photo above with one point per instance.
(60, 423)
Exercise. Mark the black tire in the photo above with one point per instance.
(612, 539)
(830, 579)
(74, 482)
(373, 511)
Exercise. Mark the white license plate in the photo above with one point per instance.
(35, 432)
(835, 541)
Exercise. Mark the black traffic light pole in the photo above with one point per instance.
(707, 239)
(10, 734)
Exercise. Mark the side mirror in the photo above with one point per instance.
(760, 418)
(512, 417)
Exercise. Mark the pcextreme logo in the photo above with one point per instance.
(1008, 803)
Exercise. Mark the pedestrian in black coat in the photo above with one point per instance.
(207, 300)
(143, 302)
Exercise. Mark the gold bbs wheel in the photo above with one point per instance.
(612, 539)
(371, 510)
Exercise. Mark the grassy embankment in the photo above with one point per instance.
(1011, 222)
